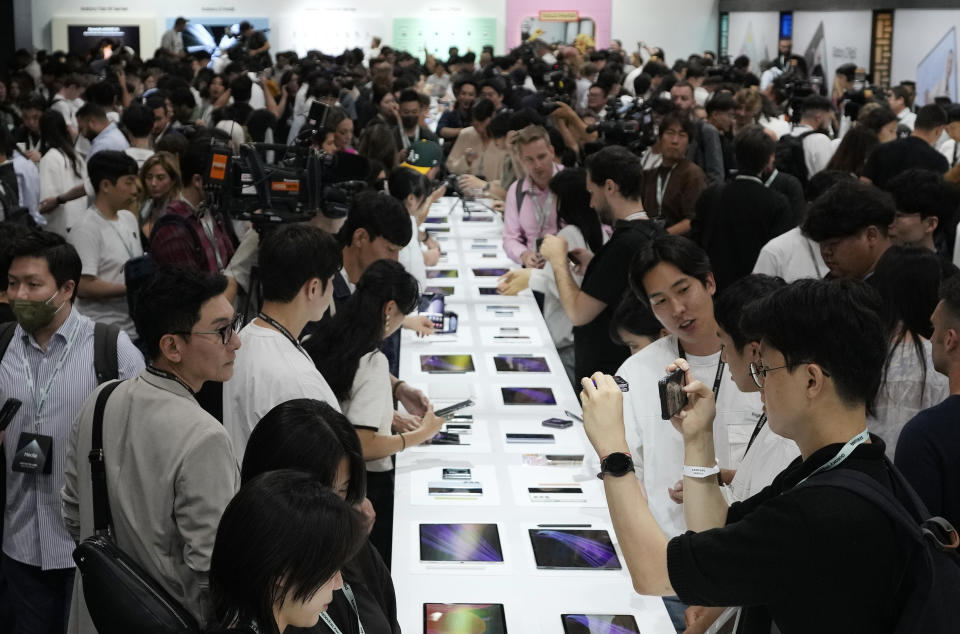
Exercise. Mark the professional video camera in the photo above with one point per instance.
(631, 125)
(293, 186)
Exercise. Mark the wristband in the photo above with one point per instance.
(700, 472)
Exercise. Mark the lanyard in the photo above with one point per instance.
(773, 176)
(842, 455)
(747, 177)
(543, 210)
(113, 226)
(283, 331)
(347, 592)
(662, 189)
(163, 374)
(756, 432)
(39, 400)
(717, 380)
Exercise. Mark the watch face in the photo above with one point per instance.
(617, 464)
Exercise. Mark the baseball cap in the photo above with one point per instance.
(423, 155)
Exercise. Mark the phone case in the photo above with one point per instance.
(670, 397)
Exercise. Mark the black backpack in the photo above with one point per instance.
(104, 348)
(930, 587)
(789, 155)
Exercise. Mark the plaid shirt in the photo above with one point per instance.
(186, 244)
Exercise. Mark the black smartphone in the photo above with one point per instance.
(572, 257)
(447, 411)
(672, 397)
(453, 473)
(445, 438)
(557, 423)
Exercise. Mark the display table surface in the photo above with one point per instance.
(533, 599)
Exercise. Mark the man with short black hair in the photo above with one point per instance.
(900, 100)
(928, 450)
(613, 180)
(106, 237)
(410, 131)
(172, 40)
(102, 133)
(596, 102)
(297, 265)
(138, 121)
(950, 148)
(49, 365)
(915, 151)
(704, 146)
(453, 121)
(670, 191)
(494, 89)
(169, 467)
(816, 113)
(927, 210)
(775, 553)
(721, 115)
(735, 220)
(850, 222)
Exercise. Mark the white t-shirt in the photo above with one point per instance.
(57, 177)
(104, 247)
(139, 154)
(369, 405)
(792, 256)
(268, 371)
(769, 455)
(411, 256)
(817, 149)
(657, 447)
(907, 117)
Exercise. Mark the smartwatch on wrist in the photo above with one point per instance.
(617, 464)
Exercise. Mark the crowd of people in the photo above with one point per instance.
(789, 248)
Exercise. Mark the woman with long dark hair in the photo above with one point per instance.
(585, 235)
(279, 549)
(851, 155)
(908, 280)
(413, 189)
(311, 436)
(62, 172)
(347, 353)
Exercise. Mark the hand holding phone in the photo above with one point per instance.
(672, 397)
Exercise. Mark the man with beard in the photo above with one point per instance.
(614, 176)
(102, 133)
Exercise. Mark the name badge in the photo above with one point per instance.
(33, 454)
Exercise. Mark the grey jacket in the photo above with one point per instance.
(170, 474)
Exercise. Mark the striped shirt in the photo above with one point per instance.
(34, 533)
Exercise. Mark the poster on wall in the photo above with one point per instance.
(832, 39)
(564, 22)
(215, 35)
(937, 72)
(754, 34)
(436, 36)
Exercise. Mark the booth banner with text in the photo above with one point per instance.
(560, 23)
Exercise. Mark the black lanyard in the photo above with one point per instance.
(170, 376)
(283, 331)
(756, 432)
(720, 366)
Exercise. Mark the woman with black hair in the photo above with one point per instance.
(852, 152)
(908, 280)
(280, 546)
(413, 190)
(347, 353)
(585, 235)
(62, 172)
(311, 436)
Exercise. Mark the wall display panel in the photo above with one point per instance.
(437, 35)
(331, 29)
(215, 34)
(831, 39)
(925, 51)
(591, 17)
(80, 33)
(754, 34)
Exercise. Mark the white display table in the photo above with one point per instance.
(533, 599)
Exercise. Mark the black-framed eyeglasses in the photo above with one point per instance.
(226, 333)
(759, 373)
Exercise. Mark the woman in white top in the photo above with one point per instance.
(908, 280)
(347, 353)
(410, 187)
(62, 171)
(585, 235)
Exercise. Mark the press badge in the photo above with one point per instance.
(33, 454)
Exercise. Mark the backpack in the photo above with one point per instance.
(930, 585)
(104, 348)
(790, 157)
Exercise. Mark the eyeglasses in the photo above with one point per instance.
(226, 333)
(759, 373)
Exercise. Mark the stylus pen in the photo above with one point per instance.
(572, 415)
(564, 525)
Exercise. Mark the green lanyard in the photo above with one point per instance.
(347, 592)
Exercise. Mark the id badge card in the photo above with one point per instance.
(33, 454)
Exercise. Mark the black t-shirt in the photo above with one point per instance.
(815, 559)
(606, 279)
(894, 157)
(373, 590)
(928, 454)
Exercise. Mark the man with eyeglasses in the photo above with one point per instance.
(673, 276)
(800, 558)
(170, 467)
